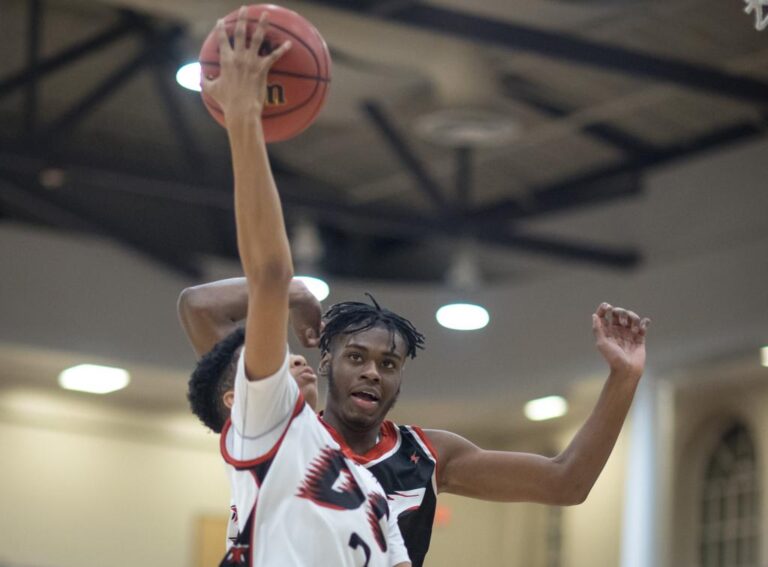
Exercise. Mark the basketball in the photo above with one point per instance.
(297, 84)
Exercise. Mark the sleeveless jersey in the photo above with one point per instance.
(405, 464)
(298, 500)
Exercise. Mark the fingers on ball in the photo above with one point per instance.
(221, 33)
(241, 28)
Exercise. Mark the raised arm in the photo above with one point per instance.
(261, 237)
(209, 312)
(566, 479)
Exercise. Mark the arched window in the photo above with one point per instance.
(730, 509)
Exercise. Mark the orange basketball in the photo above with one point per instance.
(298, 82)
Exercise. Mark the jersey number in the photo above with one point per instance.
(356, 541)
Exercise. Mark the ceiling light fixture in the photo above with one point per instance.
(462, 316)
(316, 286)
(764, 356)
(549, 407)
(188, 76)
(463, 276)
(307, 249)
(94, 379)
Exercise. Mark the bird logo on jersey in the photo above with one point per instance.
(237, 555)
(330, 483)
(378, 510)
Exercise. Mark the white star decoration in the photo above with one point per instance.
(756, 6)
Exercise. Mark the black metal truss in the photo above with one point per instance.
(397, 142)
(518, 89)
(496, 224)
(562, 46)
(128, 23)
(453, 220)
(22, 193)
(612, 182)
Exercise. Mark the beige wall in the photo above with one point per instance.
(514, 535)
(80, 497)
(593, 529)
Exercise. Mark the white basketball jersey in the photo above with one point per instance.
(297, 499)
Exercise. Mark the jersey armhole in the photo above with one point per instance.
(247, 464)
(429, 446)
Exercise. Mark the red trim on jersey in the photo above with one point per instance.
(423, 436)
(387, 441)
(297, 409)
(420, 432)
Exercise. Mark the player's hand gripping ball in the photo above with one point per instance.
(298, 82)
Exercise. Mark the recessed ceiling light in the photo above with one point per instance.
(94, 379)
(546, 408)
(316, 286)
(188, 76)
(462, 316)
(764, 356)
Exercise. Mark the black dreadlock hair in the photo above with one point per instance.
(353, 317)
(213, 376)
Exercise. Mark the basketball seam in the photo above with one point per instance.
(279, 72)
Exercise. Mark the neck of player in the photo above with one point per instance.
(359, 439)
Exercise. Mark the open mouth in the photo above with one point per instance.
(365, 400)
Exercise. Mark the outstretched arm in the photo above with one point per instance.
(261, 237)
(566, 479)
(209, 312)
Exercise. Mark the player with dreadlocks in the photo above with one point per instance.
(364, 348)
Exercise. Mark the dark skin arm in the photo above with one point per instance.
(209, 312)
(566, 479)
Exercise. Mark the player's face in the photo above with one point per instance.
(306, 379)
(365, 371)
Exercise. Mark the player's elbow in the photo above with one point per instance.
(576, 497)
(192, 301)
(568, 489)
(573, 493)
(566, 496)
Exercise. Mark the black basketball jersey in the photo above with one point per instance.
(404, 462)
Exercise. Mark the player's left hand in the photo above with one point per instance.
(620, 338)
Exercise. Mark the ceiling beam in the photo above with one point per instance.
(397, 142)
(562, 46)
(111, 84)
(34, 27)
(165, 63)
(523, 91)
(21, 194)
(128, 23)
(612, 182)
(298, 198)
(409, 225)
(463, 178)
(570, 249)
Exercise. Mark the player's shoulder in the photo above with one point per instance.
(417, 436)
